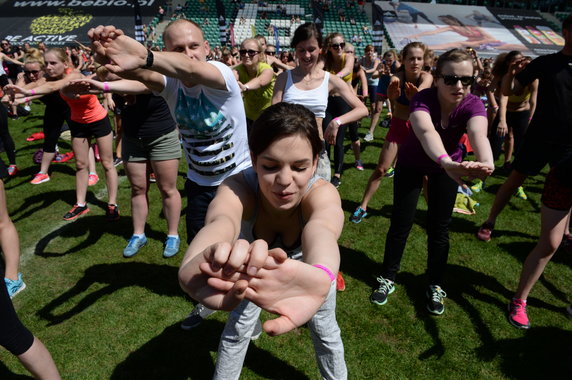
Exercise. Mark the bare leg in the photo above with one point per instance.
(376, 109)
(9, 241)
(356, 147)
(166, 172)
(553, 226)
(137, 175)
(39, 362)
(47, 158)
(91, 164)
(386, 158)
(80, 147)
(508, 146)
(118, 136)
(105, 145)
(514, 180)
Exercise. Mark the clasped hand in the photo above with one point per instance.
(224, 274)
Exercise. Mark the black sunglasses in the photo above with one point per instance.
(451, 80)
(338, 46)
(28, 72)
(251, 53)
(269, 52)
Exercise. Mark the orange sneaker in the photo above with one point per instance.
(340, 283)
(40, 178)
(93, 179)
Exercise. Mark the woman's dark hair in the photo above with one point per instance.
(329, 59)
(305, 32)
(454, 55)
(500, 67)
(283, 120)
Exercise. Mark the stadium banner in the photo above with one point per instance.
(60, 26)
(531, 29)
(445, 26)
(28, 8)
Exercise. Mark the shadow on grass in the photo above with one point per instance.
(95, 226)
(175, 354)
(359, 266)
(116, 276)
(542, 353)
(6, 374)
(462, 283)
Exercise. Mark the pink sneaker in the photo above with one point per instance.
(12, 170)
(484, 233)
(517, 314)
(40, 178)
(93, 179)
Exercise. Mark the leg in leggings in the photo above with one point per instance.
(53, 121)
(518, 124)
(442, 192)
(407, 185)
(6, 138)
(336, 107)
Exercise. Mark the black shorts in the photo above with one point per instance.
(534, 155)
(557, 193)
(96, 129)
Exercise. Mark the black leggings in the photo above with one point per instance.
(7, 140)
(14, 336)
(515, 121)
(442, 192)
(336, 107)
(54, 118)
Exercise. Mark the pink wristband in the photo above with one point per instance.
(105, 87)
(26, 100)
(441, 157)
(33, 92)
(325, 269)
(338, 121)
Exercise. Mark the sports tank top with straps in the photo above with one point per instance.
(316, 100)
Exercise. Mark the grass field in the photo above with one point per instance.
(106, 317)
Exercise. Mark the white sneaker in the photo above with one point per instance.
(368, 137)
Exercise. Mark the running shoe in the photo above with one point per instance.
(517, 314)
(112, 212)
(134, 245)
(386, 287)
(435, 302)
(477, 187)
(390, 173)
(76, 211)
(368, 137)
(484, 233)
(40, 178)
(14, 286)
(66, 157)
(13, 170)
(336, 181)
(358, 215)
(358, 164)
(35, 136)
(340, 282)
(196, 317)
(172, 245)
(152, 178)
(118, 161)
(92, 179)
(520, 193)
(387, 122)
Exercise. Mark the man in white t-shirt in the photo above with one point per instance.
(203, 97)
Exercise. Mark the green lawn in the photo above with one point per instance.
(103, 316)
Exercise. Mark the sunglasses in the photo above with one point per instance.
(451, 80)
(269, 52)
(28, 72)
(251, 53)
(338, 46)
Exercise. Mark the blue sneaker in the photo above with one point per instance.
(171, 246)
(358, 215)
(134, 245)
(15, 286)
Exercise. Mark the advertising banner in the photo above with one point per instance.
(489, 31)
(61, 22)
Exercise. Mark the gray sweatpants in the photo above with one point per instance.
(324, 330)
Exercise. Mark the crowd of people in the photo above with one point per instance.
(264, 213)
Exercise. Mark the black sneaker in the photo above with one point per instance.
(336, 181)
(196, 317)
(76, 211)
(386, 287)
(435, 302)
(112, 213)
